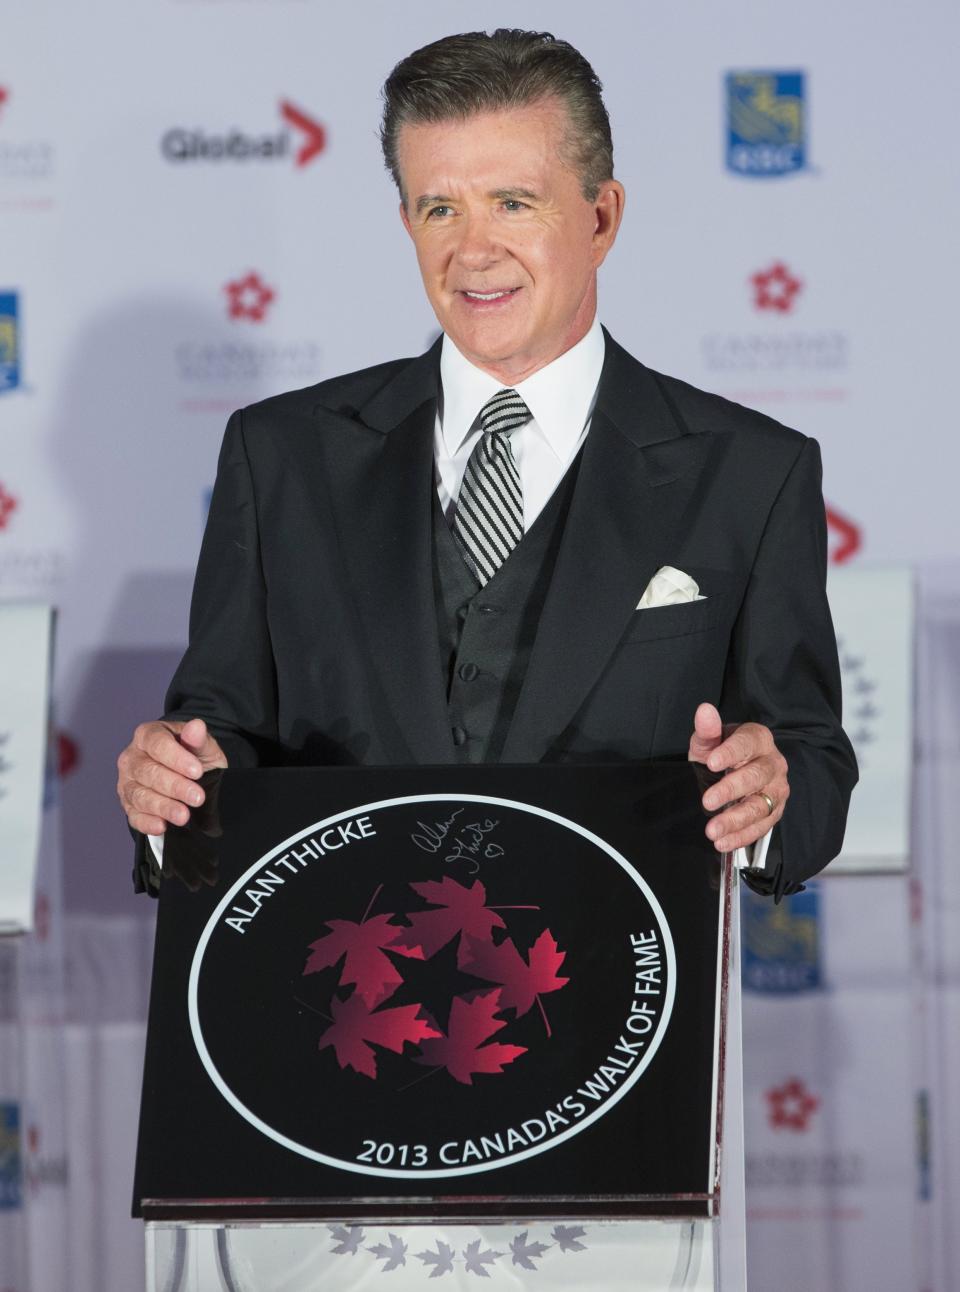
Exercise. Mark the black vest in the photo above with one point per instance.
(486, 634)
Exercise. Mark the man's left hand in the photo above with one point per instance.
(754, 767)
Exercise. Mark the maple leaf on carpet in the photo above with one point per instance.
(441, 1259)
(366, 966)
(457, 910)
(348, 1239)
(462, 1051)
(356, 1030)
(476, 1261)
(567, 1238)
(521, 981)
(525, 1253)
(394, 1253)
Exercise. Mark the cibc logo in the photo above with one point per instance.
(766, 124)
(298, 137)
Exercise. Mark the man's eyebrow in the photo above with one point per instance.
(511, 194)
(432, 199)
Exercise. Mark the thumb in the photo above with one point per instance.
(707, 733)
(194, 735)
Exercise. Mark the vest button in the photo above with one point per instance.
(489, 610)
(468, 672)
(459, 736)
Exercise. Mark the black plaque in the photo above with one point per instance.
(424, 990)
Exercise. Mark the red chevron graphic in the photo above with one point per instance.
(849, 537)
(315, 134)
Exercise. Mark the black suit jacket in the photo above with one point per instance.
(313, 633)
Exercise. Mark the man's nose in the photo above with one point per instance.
(478, 246)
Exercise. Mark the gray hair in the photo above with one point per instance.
(458, 76)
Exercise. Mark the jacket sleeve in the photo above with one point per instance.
(227, 674)
(783, 671)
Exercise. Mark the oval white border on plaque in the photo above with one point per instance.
(414, 1172)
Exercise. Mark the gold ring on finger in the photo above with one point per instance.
(771, 803)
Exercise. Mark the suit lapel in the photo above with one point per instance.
(384, 518)
(636, 480)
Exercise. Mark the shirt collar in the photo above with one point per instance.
(560, 395)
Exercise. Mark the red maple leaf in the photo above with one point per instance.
(356, 1030)
(462, 1051)
(366, 966)
(522, 981)
(459, 910)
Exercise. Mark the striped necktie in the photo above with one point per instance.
(488, 523)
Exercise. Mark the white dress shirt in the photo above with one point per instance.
(560, 397)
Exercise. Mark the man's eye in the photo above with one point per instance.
(514, 204)
(439, 212)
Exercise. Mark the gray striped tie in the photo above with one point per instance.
(489, 519)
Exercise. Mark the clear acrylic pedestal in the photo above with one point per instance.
(587, 1256)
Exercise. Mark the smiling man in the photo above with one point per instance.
(523, 545)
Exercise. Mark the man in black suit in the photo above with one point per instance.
(523, 545)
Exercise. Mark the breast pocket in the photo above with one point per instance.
(675, 621)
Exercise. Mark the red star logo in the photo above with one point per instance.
(8, 505)
(775, 288)
(248, 298)
(791, 1105)
(68, 754)
(314, 134)
(849, 537)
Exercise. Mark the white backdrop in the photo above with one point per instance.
(824, 296)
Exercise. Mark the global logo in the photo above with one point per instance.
(766, 124)
(845, 535)
(432, 990)
(300, 138)
(9, 342)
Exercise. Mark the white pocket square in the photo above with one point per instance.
(669, 587)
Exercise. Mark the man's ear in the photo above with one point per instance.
(405, 218)
(609, 213)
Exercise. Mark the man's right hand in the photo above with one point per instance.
(159, 770)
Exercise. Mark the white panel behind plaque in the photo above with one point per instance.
(873, 613)
(25, 645)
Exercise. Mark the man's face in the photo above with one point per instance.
(507, 244)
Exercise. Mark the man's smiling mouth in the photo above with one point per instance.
(491, 296)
